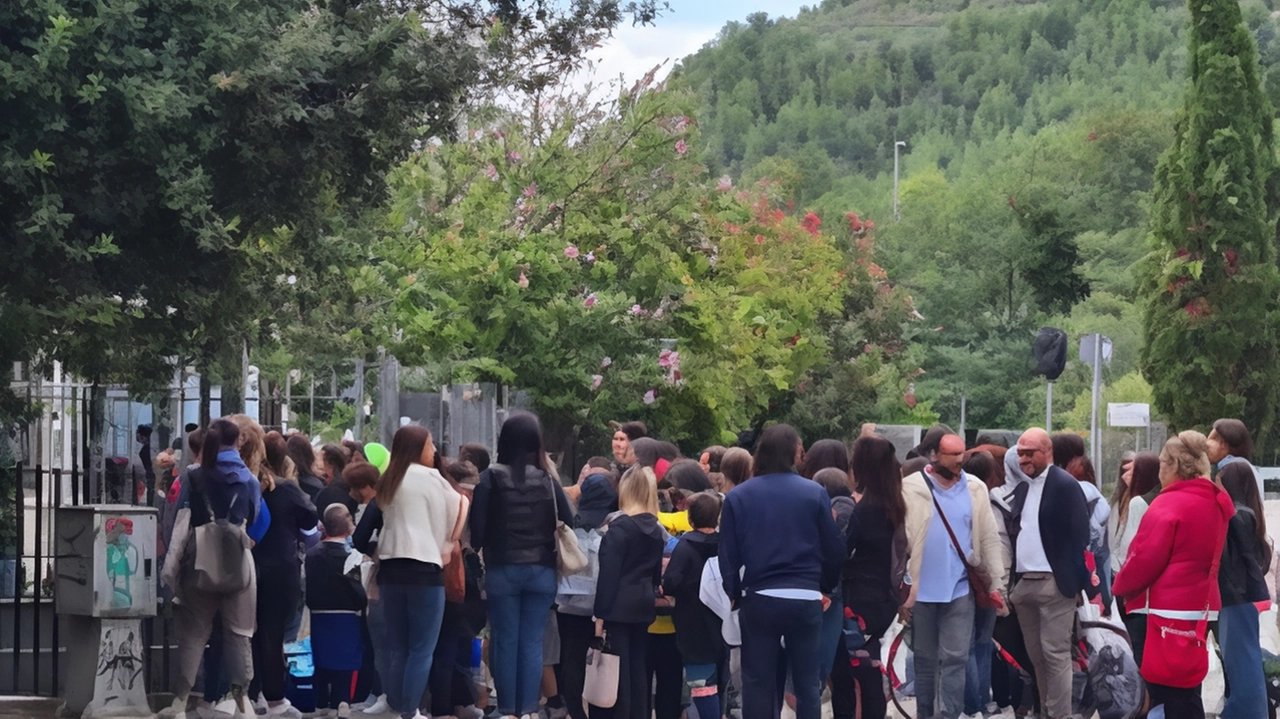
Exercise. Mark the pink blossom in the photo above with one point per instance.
(590, 258)
(531, 190)
(491, 172)
(571, 252)
(596, 379)
(637, 310)
(514, 156)
(657, 314)
(523, 281)
(681, 147)
(590, 301)
(725, 184)
(667, 358)
(651, 396)
(606, 362)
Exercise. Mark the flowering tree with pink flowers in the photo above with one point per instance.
(603, 269)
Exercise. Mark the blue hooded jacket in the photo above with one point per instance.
(233, 492)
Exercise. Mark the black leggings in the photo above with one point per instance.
(278, 593)
(630, 642)
(576, 633)
(666, 671)
(1178, 703)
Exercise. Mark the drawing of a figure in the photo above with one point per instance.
(120, 664)
(122, 561)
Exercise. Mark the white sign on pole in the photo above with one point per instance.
(1128, 414)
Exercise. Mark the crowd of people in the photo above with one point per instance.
(726, 584)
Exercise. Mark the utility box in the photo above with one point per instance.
(106, 561)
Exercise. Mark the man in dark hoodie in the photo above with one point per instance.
(697, 627)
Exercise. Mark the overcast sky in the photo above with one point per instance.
(687, 26)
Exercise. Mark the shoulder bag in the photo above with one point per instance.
(1175, 653)
(221, 549)
(979, 580)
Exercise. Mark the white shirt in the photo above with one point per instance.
(1031, 556)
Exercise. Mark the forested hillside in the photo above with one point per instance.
(1033, 131)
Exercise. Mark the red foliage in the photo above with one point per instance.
(1198, 308)
(855, 223)
(1232, 262)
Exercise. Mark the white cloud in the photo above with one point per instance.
(633, 51)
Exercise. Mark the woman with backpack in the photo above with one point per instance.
(417, 515)
(221, 488)
(517, 507)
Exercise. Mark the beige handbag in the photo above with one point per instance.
(570, 558)
(600, 686)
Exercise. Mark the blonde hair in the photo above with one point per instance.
(1187, 453)
(253, 450)
(638, 492)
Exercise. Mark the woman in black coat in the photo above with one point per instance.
(630, 574)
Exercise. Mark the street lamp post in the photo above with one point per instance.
(898, 145)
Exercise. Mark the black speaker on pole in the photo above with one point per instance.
(1050, 351)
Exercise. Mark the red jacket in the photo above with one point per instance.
(1179, 539)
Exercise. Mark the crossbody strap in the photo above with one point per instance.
(943, 515)
(1203, 624)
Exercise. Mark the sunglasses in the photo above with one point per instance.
(1028, 452)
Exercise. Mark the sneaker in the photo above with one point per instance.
(555, 712)
(177, 710)
(285, 710)
(260, 704)
(344, 711)
(379, 707)
(228, 707)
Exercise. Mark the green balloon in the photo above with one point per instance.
(377, 455)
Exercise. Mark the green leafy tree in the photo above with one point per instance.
(601, 268)
(163, 163)
(1211, 282)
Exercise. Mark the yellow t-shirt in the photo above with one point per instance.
(676, 523)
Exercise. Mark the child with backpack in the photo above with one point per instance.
(336, 597)
(697, 627)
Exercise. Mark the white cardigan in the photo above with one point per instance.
(419, 523)
(1122, 536)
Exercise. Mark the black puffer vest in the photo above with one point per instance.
(522, 518)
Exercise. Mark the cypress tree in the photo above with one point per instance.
(1210, 285)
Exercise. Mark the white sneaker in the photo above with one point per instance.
(226, 707)
(260, 704)
(344, 710)
(284, 709)
(379, 707)
(177, 710)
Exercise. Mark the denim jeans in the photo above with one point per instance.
(520, 595)
(768, 622)
(941, 634)
(378, 639)
(832, 625)
(1242, 662)
(977, 673)
(414, 613)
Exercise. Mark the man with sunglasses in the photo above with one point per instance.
(1049, 535)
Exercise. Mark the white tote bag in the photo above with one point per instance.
(600, 688)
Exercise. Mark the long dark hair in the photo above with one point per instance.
(1238, 479)
(278, 456)
(221, 434)
(826, 453)
(687, 476)
(648, 451)
(1117, 495)
(983, 466)
(776, 452)
(520, 444)
(877, 475)
(406, 449)
(302, 454)
(1146, 477)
